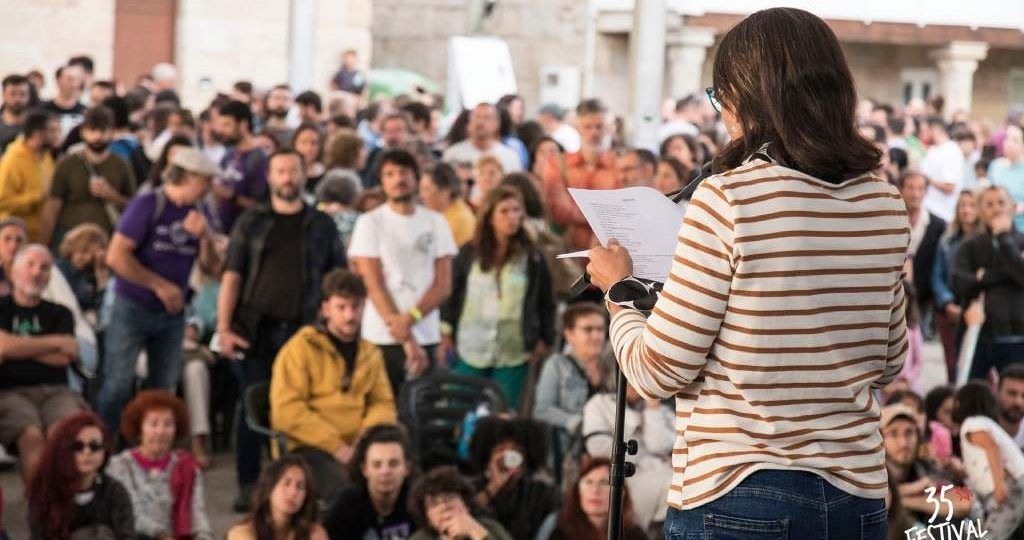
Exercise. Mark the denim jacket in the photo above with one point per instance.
(562, 391)
(321, 246)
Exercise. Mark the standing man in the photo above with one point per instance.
(552, 118)
(67, 104)
(943, 165)
(926, 230)
(159, 237)
(395, 134)
(16, 95)
(484, 139)
(276, 106)
(591, 168)
(403, 252)
(244, 182)
(349, 78)
(91, 186)
(277, 258)
(636, 167)
(26, 169)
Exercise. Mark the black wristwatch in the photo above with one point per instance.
(634, 293)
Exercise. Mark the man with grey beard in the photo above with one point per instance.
(38, 343)
(276, 260)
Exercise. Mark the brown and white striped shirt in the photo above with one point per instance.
(784, 308)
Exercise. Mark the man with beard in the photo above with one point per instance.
(901, 437)
(1011, 401)
(244, 182)
(404, 253)
(90, 186)
(276, 261)
(16, 95)
(26, 169)
(38, 341)
(276, 106)
(322, 418)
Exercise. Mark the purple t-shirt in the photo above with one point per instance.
(161, 245)
(246, 173)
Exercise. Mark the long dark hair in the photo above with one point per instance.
(261, 519)
(573, 523)
(52, 488)
(487, 241)
(783, 74)
(975, 399)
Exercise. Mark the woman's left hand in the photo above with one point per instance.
(609, 265)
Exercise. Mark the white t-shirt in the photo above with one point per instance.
(568, 137)
(979, 474)
(943, 163)
(407, 247)
(465, 152)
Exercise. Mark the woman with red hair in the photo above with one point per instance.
(165, 483)
(69, 495)
(585, 512)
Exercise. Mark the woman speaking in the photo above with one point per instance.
(784, 307)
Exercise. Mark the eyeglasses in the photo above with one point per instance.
(710, 91)
(93, 446)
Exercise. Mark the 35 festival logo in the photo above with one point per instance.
(947, 529)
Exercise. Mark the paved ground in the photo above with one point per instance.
(220, 478)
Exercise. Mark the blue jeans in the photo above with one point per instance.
(256, 367)
(780, 505)
(132, 328)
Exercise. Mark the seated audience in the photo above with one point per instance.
(13, 234)
(941, 435)
(37, 344)
(329, 385)
(1011, 401)
(283, 505)
(83, 254)
(165, 484)
(653, 426)
(442, 503)
(994, 463)
(375, 505)
(70, 496)
(585, 512)
(902, 439)
(567, 381)
(509, 455)
(499, 318)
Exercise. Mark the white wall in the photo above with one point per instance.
(43, 34)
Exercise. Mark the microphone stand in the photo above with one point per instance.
(621, 469)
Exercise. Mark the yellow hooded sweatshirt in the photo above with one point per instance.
(306, 399)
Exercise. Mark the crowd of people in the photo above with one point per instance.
(155, 259)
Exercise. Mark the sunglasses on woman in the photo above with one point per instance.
(93, 446)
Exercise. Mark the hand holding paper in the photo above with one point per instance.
(643, 220)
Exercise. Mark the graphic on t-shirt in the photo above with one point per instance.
(26, 327)
(395, 532)
(173, 238)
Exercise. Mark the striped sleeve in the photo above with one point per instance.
(899, 342)
(662, 354)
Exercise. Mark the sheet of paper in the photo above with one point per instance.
(574, 255)
(643, 220)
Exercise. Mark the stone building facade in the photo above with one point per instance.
(213, 44)
(975, 67)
